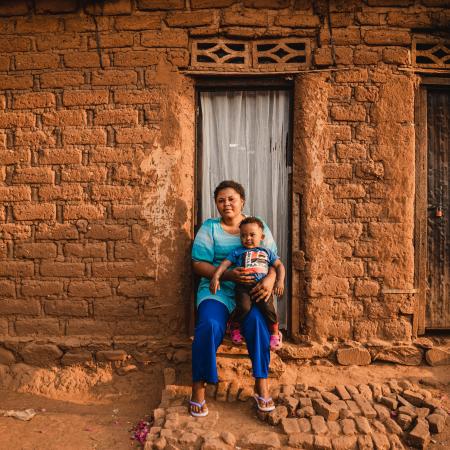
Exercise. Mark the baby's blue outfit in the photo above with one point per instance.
(256, 260)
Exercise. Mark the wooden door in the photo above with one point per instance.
(438, 211)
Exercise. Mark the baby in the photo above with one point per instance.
(256, 261)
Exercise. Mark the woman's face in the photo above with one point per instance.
(229, 203)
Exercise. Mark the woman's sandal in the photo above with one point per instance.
(236, 336)
(202, 408)
(264, 404)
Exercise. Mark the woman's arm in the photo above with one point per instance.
(207, 270)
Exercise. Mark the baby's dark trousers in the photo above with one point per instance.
(244, 303)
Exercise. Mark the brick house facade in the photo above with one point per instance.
(97, 166)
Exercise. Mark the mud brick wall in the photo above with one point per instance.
(97, 151)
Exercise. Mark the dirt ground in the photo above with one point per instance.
(83, 416)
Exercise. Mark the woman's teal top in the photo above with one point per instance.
(212, 244)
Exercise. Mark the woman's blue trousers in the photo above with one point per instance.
(212, 317)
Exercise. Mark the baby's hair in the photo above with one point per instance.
(230, 184)
(252, 219)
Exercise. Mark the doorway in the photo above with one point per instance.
(244, 134)
(433, 201)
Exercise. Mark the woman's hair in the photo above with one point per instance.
(229, 184)
(251, 219)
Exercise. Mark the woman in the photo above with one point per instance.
(215, 239)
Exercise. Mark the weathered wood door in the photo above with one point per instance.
(438, 217)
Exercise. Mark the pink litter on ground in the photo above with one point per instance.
(140, 431)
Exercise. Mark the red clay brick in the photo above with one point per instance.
(350, 151)
(81, 98)
(116, 193)
(81, 60)
(13, 8)
(32, 61)
(368, 209)
(141, 97)
(84, 136)
(3, 247)
(89, 289)
(337, 170)
(160, 4)
(28, 307)
(35, 24)
(15, 231)
(15, 194)
(397, 55)
(61, 79)
(39, 175)
(5, 64)
(366, 55)
(58, 41)
(109, 8)
(139, 288)
(14, 156)
(297, 21)
(136, 58)
(34, 138)
(7, 288)
(34, 100)
(114, 78)
(110, 155)
(84, 174)
(35, 211)
(80, 23)
(57, 269)
(108, 232)
(128, 212)
(191, 19)
(97, 250)
(351, 113)
(16, 82)
(115, 308)
(349, 191)
(61, 156)
(84, 211)
(90, 327)
(115, 40)
(69, 307)
(13, 120)
(123, 269)
(246, 18)
(273, 4)
(16, 269)
(55, 6)
(64, 118)
(166, 38)
(387, 37)
(366, 93)
(137, 23)
(57, 232)
(31, 251)
(39, 288)
(366, 288)
(123, 250)
(136, 135)
(116, 117)
(16, 44)
(39, 327)
(369, 18)
(61, 192)
(352, 76)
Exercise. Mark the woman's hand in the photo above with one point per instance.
(263, 290)
(238, 275)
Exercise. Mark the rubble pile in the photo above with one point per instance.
(384, 416)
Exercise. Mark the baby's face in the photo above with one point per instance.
(251, 235)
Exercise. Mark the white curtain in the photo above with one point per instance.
(244, 138)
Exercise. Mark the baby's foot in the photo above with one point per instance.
(276, 341)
